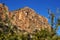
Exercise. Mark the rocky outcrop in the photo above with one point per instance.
(25, 19)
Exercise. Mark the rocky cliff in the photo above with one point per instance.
(25, 19)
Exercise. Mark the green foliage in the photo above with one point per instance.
(11, 34)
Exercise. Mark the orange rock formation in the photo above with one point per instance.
(25, 18)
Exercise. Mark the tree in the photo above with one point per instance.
(54, 17)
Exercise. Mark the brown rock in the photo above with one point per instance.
(26, 19)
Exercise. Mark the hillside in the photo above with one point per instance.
(25, 19)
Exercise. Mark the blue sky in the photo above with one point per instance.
(40, 6)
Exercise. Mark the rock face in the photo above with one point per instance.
(25, 19)
(3, 9)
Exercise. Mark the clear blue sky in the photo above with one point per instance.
(40, 6)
